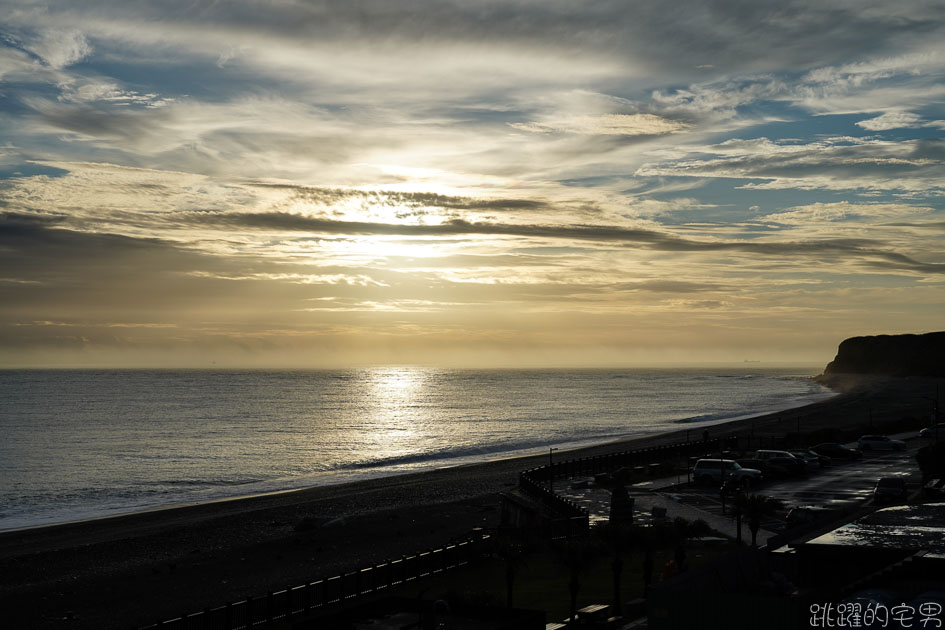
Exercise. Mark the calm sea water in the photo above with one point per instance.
(77, 444)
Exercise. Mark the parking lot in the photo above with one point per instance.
(839, 485)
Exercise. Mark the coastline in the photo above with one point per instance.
(257, 484)
(133, 569)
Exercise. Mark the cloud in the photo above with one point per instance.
(16, 63)
(217, 165)
(898, 120)
(106, 91)
(890, 120)
(607, 124)
(832, 212)
(870, 252)
(328, 196)
(876, 84)
(669, 286)
(830, 164)
(59, 48)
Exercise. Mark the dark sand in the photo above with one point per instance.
(134, 570)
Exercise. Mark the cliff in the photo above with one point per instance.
(891, 355)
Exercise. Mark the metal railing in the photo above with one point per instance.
(539, 482)
(294, 601)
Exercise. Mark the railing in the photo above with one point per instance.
(539, 482)
(279, 606)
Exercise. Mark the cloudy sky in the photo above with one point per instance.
(532, 182)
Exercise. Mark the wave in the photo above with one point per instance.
(458, 453)
(703, 418)
(201, 482)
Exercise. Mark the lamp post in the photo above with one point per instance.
(934, 402)
(551, 470)
(934, 421)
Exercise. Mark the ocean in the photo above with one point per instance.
(78, 444)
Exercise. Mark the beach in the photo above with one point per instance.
(133, 570)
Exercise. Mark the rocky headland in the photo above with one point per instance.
(891, 355)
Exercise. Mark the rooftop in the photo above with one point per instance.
(918, 527)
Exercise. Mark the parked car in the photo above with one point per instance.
(880, 443)
(812, 458)
(775, 468)
(833, 450)
(890, 490)
(757, 464)
(784, 460)
(718, 470)
(936, 431)
(770, 454)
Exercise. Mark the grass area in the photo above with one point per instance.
(541, 581)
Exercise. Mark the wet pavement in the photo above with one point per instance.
(840, 485)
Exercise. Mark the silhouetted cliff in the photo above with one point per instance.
(892, 355)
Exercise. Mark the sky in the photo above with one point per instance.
(474, 183)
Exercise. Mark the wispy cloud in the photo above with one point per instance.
(175, 172)
(607, 124)
(59, 48)
(833, 164)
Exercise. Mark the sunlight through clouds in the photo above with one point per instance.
(506, 179)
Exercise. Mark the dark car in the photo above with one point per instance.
(935, 432)
(880, 442)
(834, 451)
(890, 490)
(781, 467)
(770, 468)
(811, 457)
(806, 514)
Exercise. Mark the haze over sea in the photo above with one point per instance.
(86, 443)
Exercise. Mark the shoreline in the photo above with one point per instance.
(128, 570)
(686, 424)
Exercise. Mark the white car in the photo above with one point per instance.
(880, 443)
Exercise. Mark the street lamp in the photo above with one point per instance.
(551, 470)
(934, 402)
(934, 421)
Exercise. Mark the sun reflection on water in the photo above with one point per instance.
(395, 425)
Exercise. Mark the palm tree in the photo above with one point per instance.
(512, 553)
(754, 507)
(577, 555)
(617, 538)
